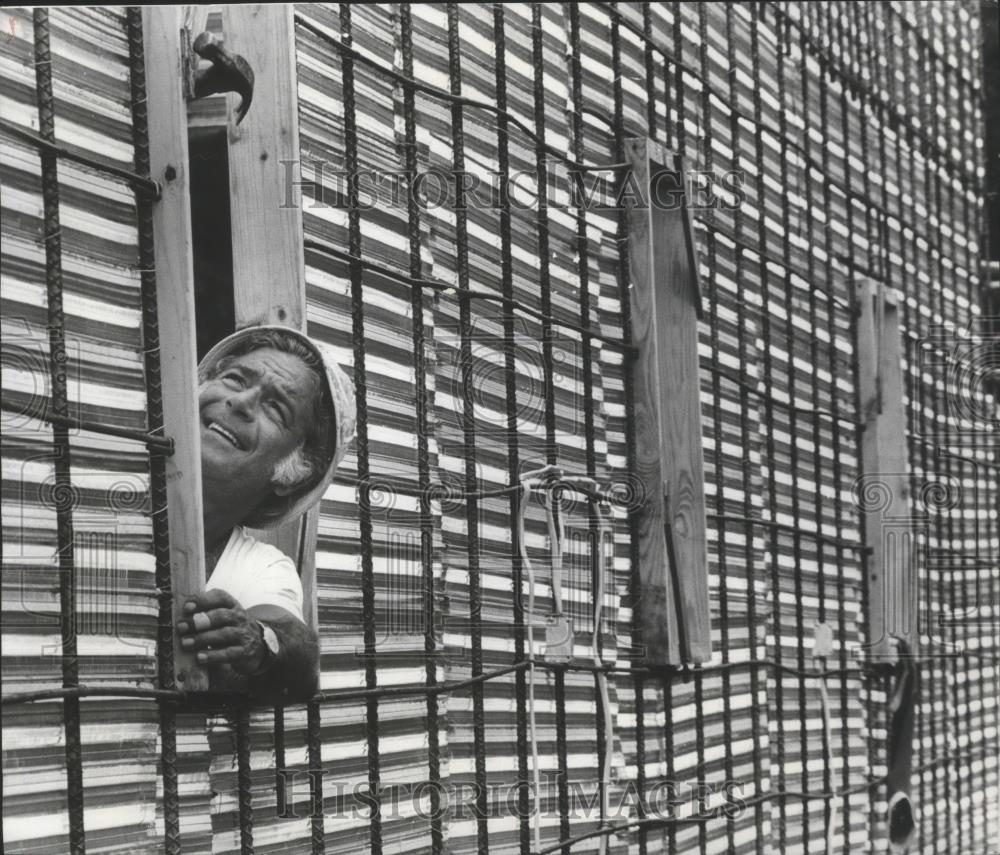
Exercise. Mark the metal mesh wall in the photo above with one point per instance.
(489, 338)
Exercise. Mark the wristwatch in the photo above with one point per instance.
(271, 647)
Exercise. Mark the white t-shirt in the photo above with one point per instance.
(257, 574)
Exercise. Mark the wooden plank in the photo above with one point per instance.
(306, 560)
(673, 565)
(884, 493)
(168, 151)
(268, 253)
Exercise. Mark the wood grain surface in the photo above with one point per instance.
(673, 567)
(168, 150)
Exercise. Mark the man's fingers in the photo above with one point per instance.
(218, 657)
(207, 600)
(221, 638)
(206, 620)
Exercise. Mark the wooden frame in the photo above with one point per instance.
(673, 609)
(168, 151)
(268, 262)
(884, 488)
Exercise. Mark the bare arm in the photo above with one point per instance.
(294, 672)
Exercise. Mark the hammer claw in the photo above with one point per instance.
(230, 72)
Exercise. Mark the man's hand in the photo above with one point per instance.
(225, 636)
(220, 632)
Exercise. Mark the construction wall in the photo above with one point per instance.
(843, 143)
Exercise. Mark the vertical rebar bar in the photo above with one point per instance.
(703, 147)
(623, 279)
(833, 33)
(468, 428)
(590, 455)
(817, 469)
(944, 522)
(63, 491)
(680, 130)
(745, 438)
(796, 465)
(924, 721)
(545, 290)
(783, 48)
(768, 373)
(422, 430)
(361, 441)
(542, 222)
(154, 425)
(511, 413)
(314, 748)
(722, 545)
(669, 756)
(244, 781)
(280, 769)
(650, 68)
(945, 407)
(905, 160)
(973, 227)
(870, 677)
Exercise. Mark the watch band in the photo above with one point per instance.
(269, 639)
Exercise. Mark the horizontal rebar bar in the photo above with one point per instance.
(163, 444)
(236, 698)
(141, 183)
(791, 529)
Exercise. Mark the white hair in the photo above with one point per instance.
(293, 470)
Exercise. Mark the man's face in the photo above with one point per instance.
(254, 413)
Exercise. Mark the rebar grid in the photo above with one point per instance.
(822, 310)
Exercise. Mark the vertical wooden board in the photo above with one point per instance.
(168, 152)
(268, 253)
(677, 309)
(674, 608)
(885, 489)
(657, 618)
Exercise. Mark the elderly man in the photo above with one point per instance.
(277, 414)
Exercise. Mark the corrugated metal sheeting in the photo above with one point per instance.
(855, 128)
